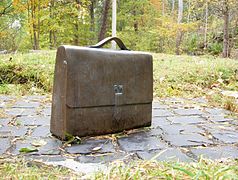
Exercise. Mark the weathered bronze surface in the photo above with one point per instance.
(100, 91)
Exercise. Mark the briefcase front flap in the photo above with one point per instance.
(102, 77)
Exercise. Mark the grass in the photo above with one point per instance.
(186, 76)
(18, 168)
(22, 74)
(183, 76)
(204, 169)
(190, 76)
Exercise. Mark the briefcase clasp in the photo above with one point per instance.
(118, 90)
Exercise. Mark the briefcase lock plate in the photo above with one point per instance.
(118, 89)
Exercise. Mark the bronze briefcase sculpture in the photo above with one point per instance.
(100, 91)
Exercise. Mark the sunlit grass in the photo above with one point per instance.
(191, 76)
(18, 168)
(204, 169)
(30, 73)
(181, 76)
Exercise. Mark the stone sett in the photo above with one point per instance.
(50, 148)
(218, 118)
(175, 129)
(186, 120)
(106, 158)
(188, 112)
(34, 120)
(41, 131)
(217, 111)
(88, 146)
(4, 145)
(158, 121)
(140, 142)
(46, 111)
(26, 104)
(4, 121)
(216, 152)
(184, 140)
(13, 131)
(161, 113)
(170, 154)
(176, 123)
(226, 136)
(21, 112)
(159, 105)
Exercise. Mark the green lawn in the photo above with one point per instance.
(183, 76)
(188, 76)
(31, 73)
(204, 169)
(191, 76)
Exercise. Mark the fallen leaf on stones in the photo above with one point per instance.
(231, 135)
(78, 140)
(203, 134)
(70, 139)
(97, 148)
(15, 139)
(28, 150)
(68, 136)
(38, 143)
(233, 94)
(203, 105)
(184, 149)
(210, 93)
(220, 80)
(161, 79)
(215, 85)
(209, 136)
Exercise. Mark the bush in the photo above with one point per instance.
(27, 73)
(215, 48)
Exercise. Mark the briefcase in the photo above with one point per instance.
(99, 91)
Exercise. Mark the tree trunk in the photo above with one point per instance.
(54, 39)
(92, 18)
(76, 36)
(180, 11)
(189, 6)
(33, 11)
(51, 39)
(173, 6)
(51, 33)
(76, 24)
(35, 24)
(38, 25)
(178, 41)
(104, 23)
(135, 24)
(206, 26)
(29, 22)
(179, 33)
(226, 31)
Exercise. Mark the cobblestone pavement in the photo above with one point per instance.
(182, 130)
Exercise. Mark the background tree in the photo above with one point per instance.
(104, 20)
(168, 26)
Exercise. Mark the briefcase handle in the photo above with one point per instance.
(109, 39)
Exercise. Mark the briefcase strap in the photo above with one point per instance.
(109, 39)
